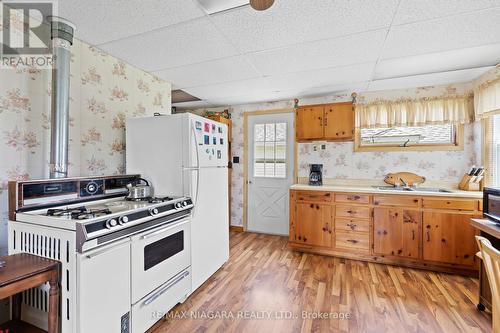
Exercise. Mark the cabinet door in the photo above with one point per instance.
(309, 123)
(396, 232)
(339, 121)
(412, 226)
(314, 224)
(449, 238)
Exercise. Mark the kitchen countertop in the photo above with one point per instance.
(370, 189)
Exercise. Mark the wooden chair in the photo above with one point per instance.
(491, 261)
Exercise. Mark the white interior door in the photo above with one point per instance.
(270, 171)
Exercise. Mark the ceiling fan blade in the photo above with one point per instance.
(261, 4)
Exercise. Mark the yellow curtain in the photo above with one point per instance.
(487, 97)
(415, 112)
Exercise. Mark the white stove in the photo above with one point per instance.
(102, 221)
(141, 248)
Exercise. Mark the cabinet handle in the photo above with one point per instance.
(353, 198)
(305, 239)
(320, 121)
(351, 225)
(413, 234)
(300, 238)
(326, 121)
(312, 206)
(351, 211)
(352, 241)
(428, 236)
(317, 207)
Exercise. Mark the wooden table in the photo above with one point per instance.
(24, 271)
(491, 231)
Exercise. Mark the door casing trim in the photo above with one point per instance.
(245, 154)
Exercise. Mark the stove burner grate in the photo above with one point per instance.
(151, 199)
(159, 199)
(66, 212)
(91, 214)
(78, 213)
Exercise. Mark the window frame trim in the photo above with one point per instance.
(458, 145)
(275, 160)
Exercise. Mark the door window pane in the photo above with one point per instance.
(270, 150)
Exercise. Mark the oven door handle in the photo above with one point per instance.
(162, 230)
(160, 292)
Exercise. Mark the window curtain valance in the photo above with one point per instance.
(415, 112)
(487, 98)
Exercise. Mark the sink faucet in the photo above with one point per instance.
(405, 184)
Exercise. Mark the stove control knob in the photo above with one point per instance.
(184, 204)
(122, 220)
(111, 223)
(153, 211)
(178, 205)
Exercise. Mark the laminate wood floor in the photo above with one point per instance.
(266, 287)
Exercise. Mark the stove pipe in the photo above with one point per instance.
(62, 39)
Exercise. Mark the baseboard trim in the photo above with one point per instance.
(236, 228)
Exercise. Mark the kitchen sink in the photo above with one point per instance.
(413, 189)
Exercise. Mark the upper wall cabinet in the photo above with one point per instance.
(325, 122)
(309, 123)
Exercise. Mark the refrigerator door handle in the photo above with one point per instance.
(193, 133)
(197, 191)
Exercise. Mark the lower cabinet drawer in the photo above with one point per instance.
(458, 204)
(352, 240)
(150, 309)
(352, 197)
(346, 224)
(353, 211)
(316, 196)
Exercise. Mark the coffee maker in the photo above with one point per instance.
(316, 174)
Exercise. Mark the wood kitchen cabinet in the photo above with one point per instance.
(309, 123)
(313, 224)
(428, 232)
(396, 231)
(339, 121)
(325, 122)
(449, 237)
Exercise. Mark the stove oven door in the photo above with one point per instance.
(158, 255)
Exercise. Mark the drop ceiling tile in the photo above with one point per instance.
(461, 31)
(182, 44)
(412, 10)
(231, 89)
(210, 72)
(480, 56)
(428, 79)
(334, 89)
(191, 105)
(340, 51)
(295, 21)
(322, 77)
(100, 21)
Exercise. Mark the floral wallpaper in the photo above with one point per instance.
(104, 91)
(341, 162)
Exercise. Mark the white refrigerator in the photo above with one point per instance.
(185, 154)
